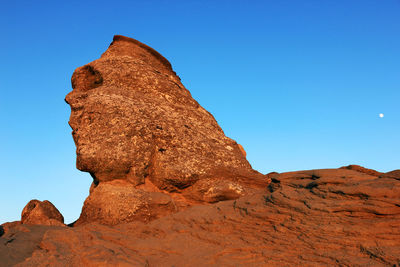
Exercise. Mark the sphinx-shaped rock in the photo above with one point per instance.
(133, 120)
(41, 212)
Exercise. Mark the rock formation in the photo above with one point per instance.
(170, 189)
(119, 202)
(332, 217)
(133, 120)
(41, 212)
(36, 212)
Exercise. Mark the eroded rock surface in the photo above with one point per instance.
(133, 120)
(118, 201)
(392, 174)
(170, 189)
(41, 212)
(20, 241)
(334, 217)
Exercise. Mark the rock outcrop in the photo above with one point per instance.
(41, 212)
(332, 217)
(170, 189)
(133, 120)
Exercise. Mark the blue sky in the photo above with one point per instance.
(299, 84)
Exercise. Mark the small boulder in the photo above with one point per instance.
(41, 212)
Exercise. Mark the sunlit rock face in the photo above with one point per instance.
(327, 217)
(41, 213)
(118, 202)
(133, 120)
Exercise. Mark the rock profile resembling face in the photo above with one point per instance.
(133, 119)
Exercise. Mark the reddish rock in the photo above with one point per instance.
(392, 174)
(41, 212)
(133, 120)
(242, 150)
(161, 168)
(211, 190)
(362, 169)
(9, 225)
(20, 241)
(333, 217)
(119, 201)
(272, 175)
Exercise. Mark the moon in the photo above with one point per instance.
(381, 115)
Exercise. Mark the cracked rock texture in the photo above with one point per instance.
(331, 217)
(118, 202)
(134, 121)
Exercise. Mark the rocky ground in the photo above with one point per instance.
(331, 217)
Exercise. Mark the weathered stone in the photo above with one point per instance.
(41, 212)
(9, 225)
(242, 150)
(20, 241)
(362, 169)
(332, 217)
(392, 174)
(119, 201)
(127, 111)
(133, 119)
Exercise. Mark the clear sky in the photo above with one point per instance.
(300, 84)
